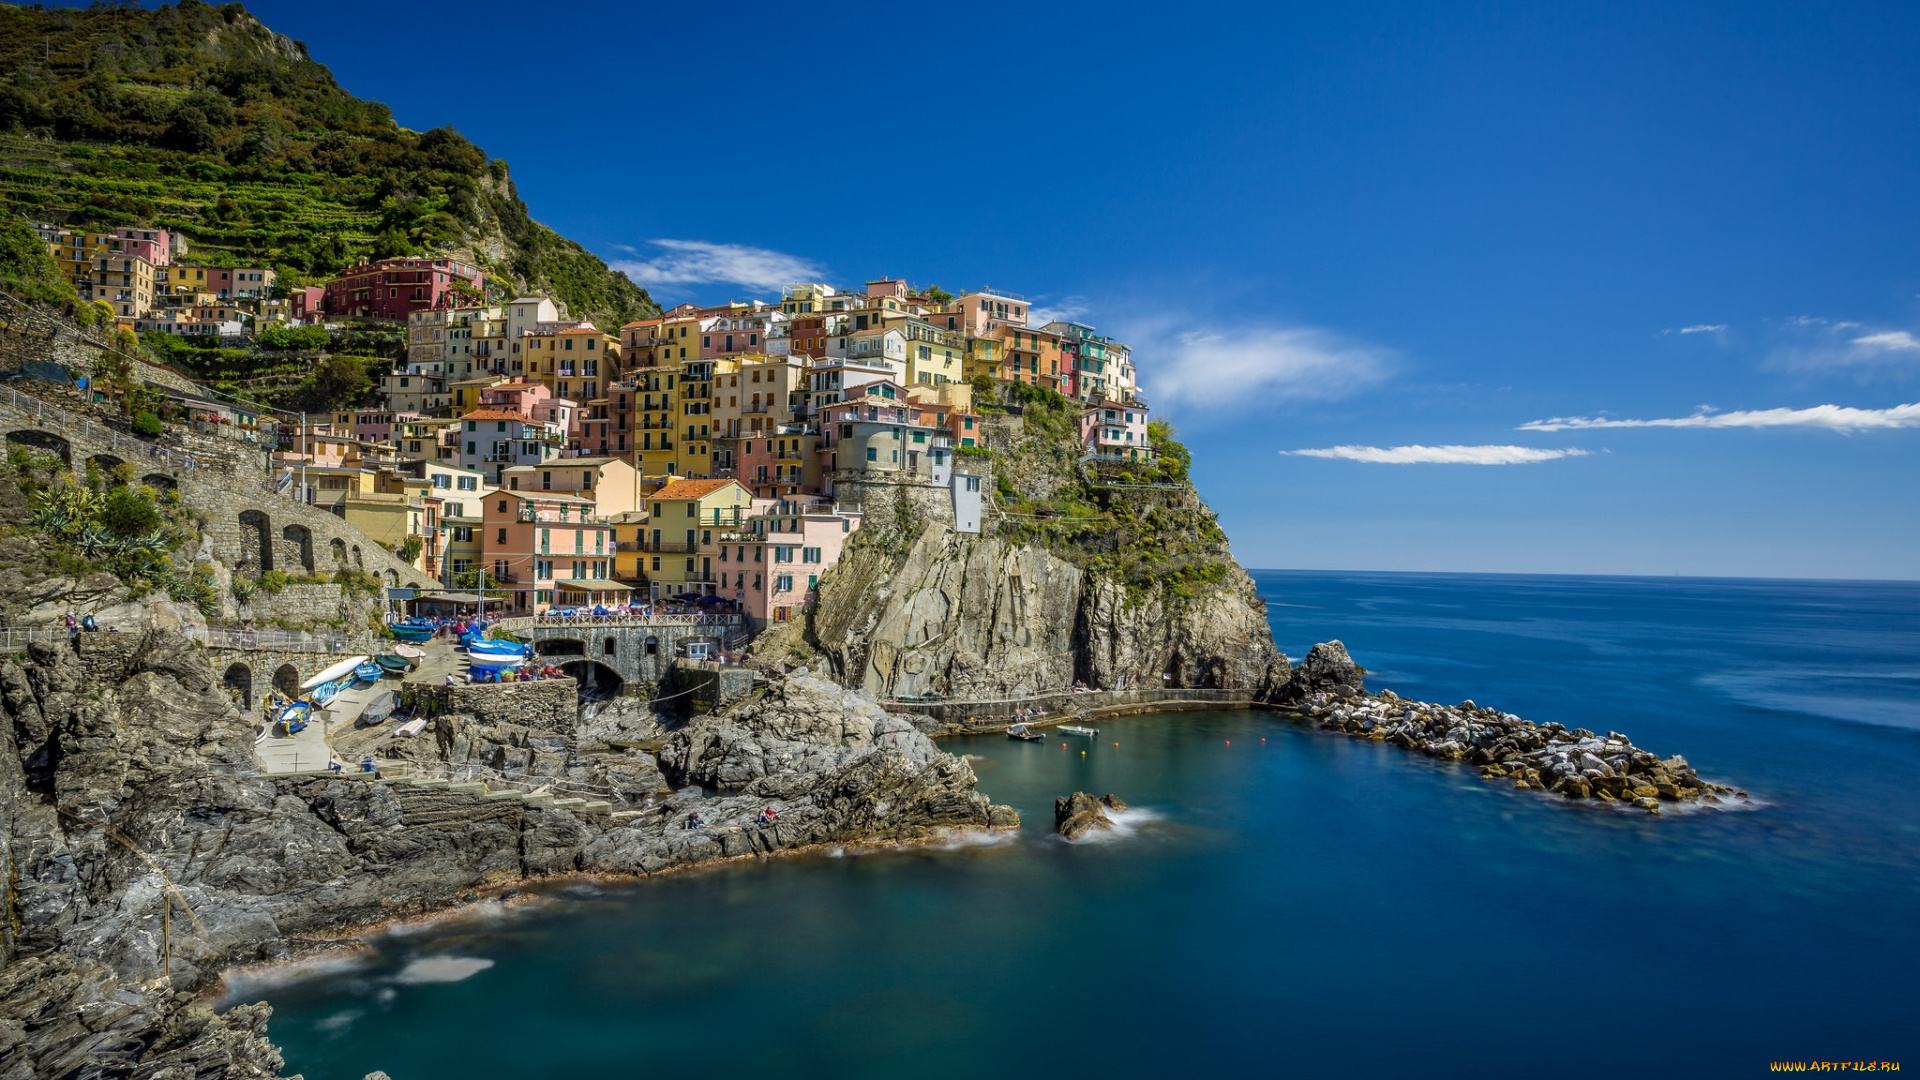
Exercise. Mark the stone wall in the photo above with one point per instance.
(641, 652)
(548, 705)
(303, 604)
(880, 499)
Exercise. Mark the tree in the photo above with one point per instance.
(190, 130)
(939, 296)
(410, 549)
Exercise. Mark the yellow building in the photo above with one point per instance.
(934, 355)
(688, 521)
(612, 483)
(576, 363)
(984, 356)
(654, 449)
(630, 557)
(696, 432)
(126, 282)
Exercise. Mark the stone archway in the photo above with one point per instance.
(106, 463)
(339, 549)
(597, 680)
(43, 440)
(392, 578)
(286, 679)
(256, 541)
(359, 563)
(239, 677)
(301, 539)
(160, 481)
(610, 646)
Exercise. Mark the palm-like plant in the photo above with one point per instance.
(96, 542)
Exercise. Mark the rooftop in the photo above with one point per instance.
(690, 489)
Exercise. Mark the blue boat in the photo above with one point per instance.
(406, 632)
(489, 647)
(293, 718)
(324, 693)
(367, 672)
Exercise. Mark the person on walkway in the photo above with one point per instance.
(73, 622)
(87, 623)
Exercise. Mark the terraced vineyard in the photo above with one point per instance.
(201, 120)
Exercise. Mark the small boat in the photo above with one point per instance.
(377, 710)
(500, 649)
(411, 728)
(367, 672)
(1023, 733)
(324, 693)
(293, 718)
(403, 632)
(411, 652)
(388, 662)
(1073, 729)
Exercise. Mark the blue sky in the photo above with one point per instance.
(1368, 230)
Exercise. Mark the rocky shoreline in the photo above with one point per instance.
(1573, 763)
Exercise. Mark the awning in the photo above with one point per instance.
(592, 585)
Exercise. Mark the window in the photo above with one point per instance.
(502, 538)
(873, 454)
(784, 583)
(467, 483)
(811, 554)
(656, 564)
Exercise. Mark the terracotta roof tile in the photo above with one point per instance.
(690, 489)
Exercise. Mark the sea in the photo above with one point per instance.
(1278, 901)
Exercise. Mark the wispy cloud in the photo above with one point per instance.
(1840, 418)
(700, 262)
(1697, 328)
(1067, 308)
(1228, 368)
(1439, 455)
(1895, 340)
(1809, 343)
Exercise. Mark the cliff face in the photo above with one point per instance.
(978, 618)
(138, 840)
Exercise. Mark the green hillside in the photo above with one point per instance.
(200, 119)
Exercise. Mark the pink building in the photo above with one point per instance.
(519, 395)
(1115, 429)
(153, 245)
(779, 462)
(307, 302)
(774, 575)
(395, 288)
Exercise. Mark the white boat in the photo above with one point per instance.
(411, 728)
(344, 667)
(1074, 729)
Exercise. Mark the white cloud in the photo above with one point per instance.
(1439, 455)
(1810, 343)
(1897, 340)
(1237, 367)
(1066, 309)
(700, 262)
(1841, 418)
(1703, 328)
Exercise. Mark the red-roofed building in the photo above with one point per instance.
(395, 288)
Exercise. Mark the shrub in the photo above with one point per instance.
(272, 582)
(127, 514)
(146, 425)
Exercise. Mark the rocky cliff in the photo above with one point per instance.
(143, 852)
(1119, 578)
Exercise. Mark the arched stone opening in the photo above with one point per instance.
(339, 549)
(560, 647)
(43, 440)
(359, 563)
(653, 646)
(160, 481)
(300, 540)
(597, 680)
(286, 679)
(106, 463)
(610, 646)
(239, 677)
(1172, 677)
(256, 541)
(392, 578)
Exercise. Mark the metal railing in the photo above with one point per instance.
(218, 637)
(529, 622)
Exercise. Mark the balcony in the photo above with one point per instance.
(668, 547)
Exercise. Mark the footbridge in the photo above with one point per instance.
(617, 653)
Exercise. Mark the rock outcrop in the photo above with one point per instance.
(1075, 815)
(142, 852)
(1576, 764)
(975, 618)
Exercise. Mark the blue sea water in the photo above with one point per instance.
(1283, 901)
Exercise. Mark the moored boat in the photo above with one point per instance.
(293, 718)
(1074, 729)
(392, 664)
(495, 648)
(377, 710)
(324, 693)
(404, 632)
(411, 652)
(367, 672)
(1024, 733)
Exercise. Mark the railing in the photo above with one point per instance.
(522, 623)
(668, 547)
(216, 637)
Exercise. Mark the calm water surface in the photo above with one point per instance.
(1285, 902)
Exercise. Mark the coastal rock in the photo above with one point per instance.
(1080, 813)
(1574, 764)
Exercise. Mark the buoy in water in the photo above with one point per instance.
(1229, 742)
(1083, 753)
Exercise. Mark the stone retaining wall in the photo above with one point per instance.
(547, 705)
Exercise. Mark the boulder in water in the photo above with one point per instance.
(1077, 814)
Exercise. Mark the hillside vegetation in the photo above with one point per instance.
(200, 119)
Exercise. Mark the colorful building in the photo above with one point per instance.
(687, 522)
(395, 288)
(548, 549)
